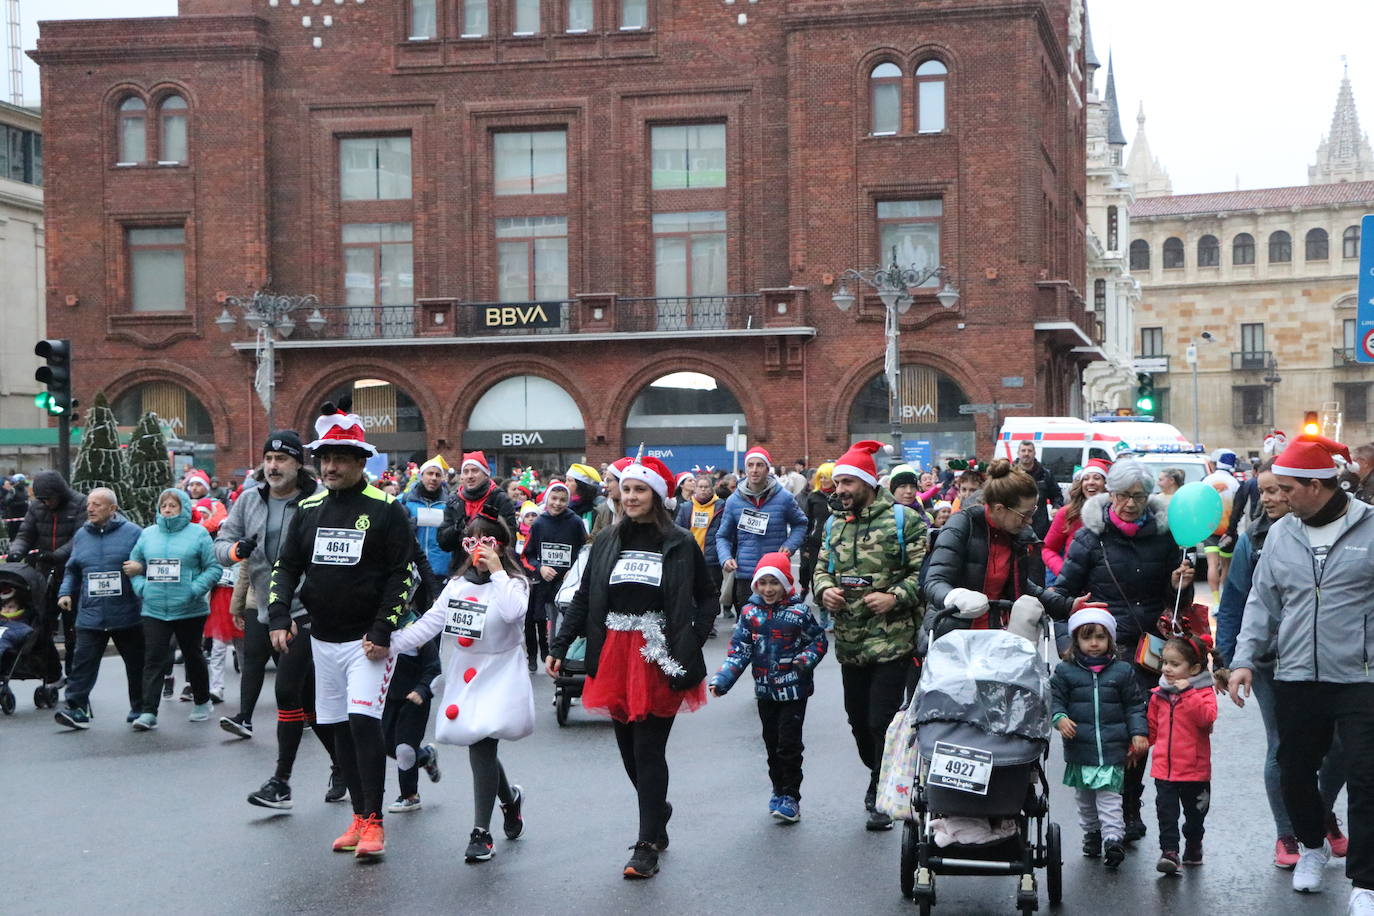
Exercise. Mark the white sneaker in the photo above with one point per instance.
(1307, 874)
(1361, 902)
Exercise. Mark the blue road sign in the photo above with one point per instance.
(918, 454)
(1364, 320)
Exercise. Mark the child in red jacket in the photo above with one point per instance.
(1182, 710)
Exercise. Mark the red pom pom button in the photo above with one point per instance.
(452, 711)
(468, 675)
(464, 641)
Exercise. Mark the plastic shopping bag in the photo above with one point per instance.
(898, 770)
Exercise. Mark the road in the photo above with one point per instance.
(112, 821)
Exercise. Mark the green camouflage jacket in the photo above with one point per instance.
(861, 555)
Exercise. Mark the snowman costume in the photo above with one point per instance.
(487, 692)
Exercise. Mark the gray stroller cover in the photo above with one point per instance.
(989, 680)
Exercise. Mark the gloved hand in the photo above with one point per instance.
(1225, 543)
(244, 549)
(971, 604)
(1025, 617)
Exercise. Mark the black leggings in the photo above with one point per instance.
(536, 640)
(488, 782)
(643, 750)
(157, 652)
(360, 755)
(257, 649)
(295, 690)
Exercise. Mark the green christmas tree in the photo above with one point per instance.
(149, 472)
(100, 460)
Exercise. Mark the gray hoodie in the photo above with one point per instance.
(1319, 634)
(248, 517)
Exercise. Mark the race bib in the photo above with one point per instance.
(105, 584)
(753, 521)
(466, 618)
(164, 571)
(964, 769)
(856, 581)
(338, 546)
(429, 517)
(701, 518)
(638, 567)
(559, 556)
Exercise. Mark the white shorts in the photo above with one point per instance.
(347, 681)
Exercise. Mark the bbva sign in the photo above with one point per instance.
(527, 315)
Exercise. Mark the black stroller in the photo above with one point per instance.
(23, 589)
(572, 674)
(981, 724)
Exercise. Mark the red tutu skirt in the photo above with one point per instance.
(628, 688)
(220, 624)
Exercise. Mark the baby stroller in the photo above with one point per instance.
(22, 590)
(981, 722)
(572, 674)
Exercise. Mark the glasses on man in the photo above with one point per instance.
(1131, 497)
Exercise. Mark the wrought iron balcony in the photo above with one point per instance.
(1251, 360)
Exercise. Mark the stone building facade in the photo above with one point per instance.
(21, 280)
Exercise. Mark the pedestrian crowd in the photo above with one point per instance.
(369, 593)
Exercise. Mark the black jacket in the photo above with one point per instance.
(562, 530)
(817, 508)
(960, 557)
(1131, 575)
(51, 530)
(457, 516)
(690, 603)
(1050, 495)
(1108, 710)
(346, 601)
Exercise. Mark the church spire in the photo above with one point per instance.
(1146, 174)
(1115, 135)
(1343, 154)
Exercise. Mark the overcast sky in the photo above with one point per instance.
(1234, 89)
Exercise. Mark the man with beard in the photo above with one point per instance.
(475, 490)
(425, 501)
(1050, 494)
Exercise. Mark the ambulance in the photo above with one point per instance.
(1064, 444)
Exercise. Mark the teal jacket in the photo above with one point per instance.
(179, 588)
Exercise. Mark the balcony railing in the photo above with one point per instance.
(1251, 360)
(690, 313)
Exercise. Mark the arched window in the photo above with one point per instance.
(1318, 247)
(1173, 253)
(1243, 249)
(683, 418)
(930, 97)
(1140, 255)
(1113, 230)
(133, 131)
(172, 134)
(1280, 247)
(1350, 242)
(927, 409)
(1208, 251)
(885, 84)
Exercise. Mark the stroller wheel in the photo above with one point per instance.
(561, 710)
(910, 839)
(44, 697)
(7, 701)
(1054, 865)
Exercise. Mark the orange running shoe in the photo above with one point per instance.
(349, 841)
(372, 843)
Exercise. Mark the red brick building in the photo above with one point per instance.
(679, 184)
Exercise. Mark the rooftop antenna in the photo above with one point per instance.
(16, 73)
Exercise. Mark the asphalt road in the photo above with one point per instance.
(112, 821)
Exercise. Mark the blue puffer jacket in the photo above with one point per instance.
(786, 528)
(428, 537)
(782, 643)
(190, 567)
(102, 550)
(1107, 708)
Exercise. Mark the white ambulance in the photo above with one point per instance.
(1063, 444)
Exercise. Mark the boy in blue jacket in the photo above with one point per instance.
(777, 636)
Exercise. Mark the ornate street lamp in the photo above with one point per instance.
(268, 314)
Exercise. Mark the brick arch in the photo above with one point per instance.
(308, 410)
(122, 90)
(199, 386)
(489, 374)
(666, 363)
(163, 88)
(884, 55)
(933, 50)
(951, 364)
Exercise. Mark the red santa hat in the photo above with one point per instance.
(858, 461)
(618, 467)
(1313, 457)
(684, 476)
(776, 565)
(649, 470)
(338, 428)
(554, 485)
(758, 451)
(1094, 466)
(477, 460)
(196, 474)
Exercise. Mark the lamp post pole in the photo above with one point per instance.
(896, 286)
(268, 313)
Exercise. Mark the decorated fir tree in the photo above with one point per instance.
(100, 461)
(149, 471)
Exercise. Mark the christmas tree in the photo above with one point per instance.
(149, 472)
(100, 461)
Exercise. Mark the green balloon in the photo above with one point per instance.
(1194, 513)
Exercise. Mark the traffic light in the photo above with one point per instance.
(57, 375)
(1144, 393)
(1311, 423)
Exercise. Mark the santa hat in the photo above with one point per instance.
(203, 510)
(1089, 615)
(477, 460)
(1275, 442)
(1225, 458)
(196, 474)
(529, 494)
(436, 462)
(1314, 457)
(776, 565)
(618, 467)
(527, 507)
(758, 451)
(1094, 466)
(858, 461)
(337, 428)
(681, 478)
(650, 471)
(554, 485)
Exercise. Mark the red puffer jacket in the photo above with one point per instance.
(1181, 732)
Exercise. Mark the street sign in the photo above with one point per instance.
(1152, 364)
(1364, 315)
(977, 408)
(918, 454)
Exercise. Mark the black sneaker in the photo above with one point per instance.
(1092, 845)
(479, 846)
(662, 842)
(275, 793)
(1114, 854)
(338, 789)
(878, 821)
(643, 861)
(1192, 852)
(1135, 827)
(216, 698)
(1168, 862)
(168, 686)
(432, 765)
(512, 822)
(73, 717)
(237, 726)
(186, 696)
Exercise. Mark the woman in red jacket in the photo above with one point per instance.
(1090, 481)
(1181, 712)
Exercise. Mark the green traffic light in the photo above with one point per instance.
(1145, 405)
(42, 399)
